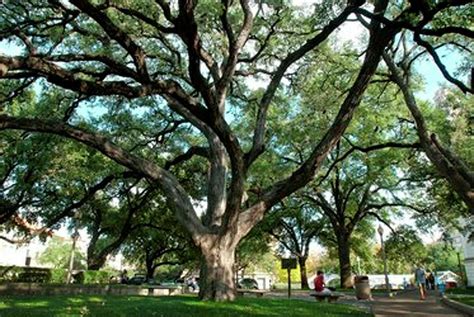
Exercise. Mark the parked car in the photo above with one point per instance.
(248, 283)
(137, 279)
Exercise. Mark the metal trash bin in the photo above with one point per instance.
(362, 287)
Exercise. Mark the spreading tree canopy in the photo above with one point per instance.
(175, 81)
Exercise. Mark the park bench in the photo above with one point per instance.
(321, 296)
(160, 290)
(256, 292)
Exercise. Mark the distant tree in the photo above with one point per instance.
(157, 241)
(58, 252)
(109, 226)
(252, 249)
(358, 190)
(405, 250)
(442, 256)
(295, 225)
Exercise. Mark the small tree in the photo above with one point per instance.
(295, 226)
(404, 249)
(58, 252)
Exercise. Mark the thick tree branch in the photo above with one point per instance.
(135, 51)
(460, 178)
(290, 59)
(192, 151)
(172, 189)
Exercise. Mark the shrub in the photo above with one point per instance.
(24, 274)
(97, 277)
(9, 273)
(58, 275)
(34, 275)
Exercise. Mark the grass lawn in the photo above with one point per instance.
(89, 305)
(468, 299)
(461, 290)
(462, 295)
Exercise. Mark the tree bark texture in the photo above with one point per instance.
(150, 269)
(344, 252)
(303, 272)
(216, 278)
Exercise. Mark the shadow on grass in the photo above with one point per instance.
(179, 306)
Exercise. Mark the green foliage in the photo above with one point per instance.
(58, 252)
(170, 306)
(282, 274)
(34, 275)
(58, 275)
(254, 252)
(443, 257)
(25, 274)
(98, 277)
(404, 250)
(160, 242)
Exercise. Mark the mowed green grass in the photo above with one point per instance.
(105, 306)
(462, 295)
(468, 300)
(461, 290)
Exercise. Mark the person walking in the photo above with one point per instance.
(420, 279)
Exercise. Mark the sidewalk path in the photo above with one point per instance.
(408, 304)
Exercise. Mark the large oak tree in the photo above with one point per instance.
(197, 60)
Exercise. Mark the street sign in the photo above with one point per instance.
(288, 264)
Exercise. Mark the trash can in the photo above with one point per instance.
(362, 287)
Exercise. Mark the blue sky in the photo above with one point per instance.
(432, 75)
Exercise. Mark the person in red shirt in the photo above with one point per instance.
(319, 285)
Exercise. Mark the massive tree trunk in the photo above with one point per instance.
(344, 252)
(150, 269)
(95, 260)
(216, 279)
(303, 273)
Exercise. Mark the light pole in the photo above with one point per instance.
(387, 284)
(74, 237)
(28, 258)
(358, 265)
(457, 244)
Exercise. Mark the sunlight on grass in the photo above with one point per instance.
(96, 299)
(83, 305)
(75, 300)
(35, 304)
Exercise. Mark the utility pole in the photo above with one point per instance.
(387, 283)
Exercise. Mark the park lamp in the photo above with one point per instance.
(75, 235)
(387, 283)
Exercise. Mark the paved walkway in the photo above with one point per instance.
(409, 304)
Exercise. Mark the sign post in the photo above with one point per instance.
(288, 264)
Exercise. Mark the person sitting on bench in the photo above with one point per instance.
(319, 285)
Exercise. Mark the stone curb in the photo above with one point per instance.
(462, 308)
